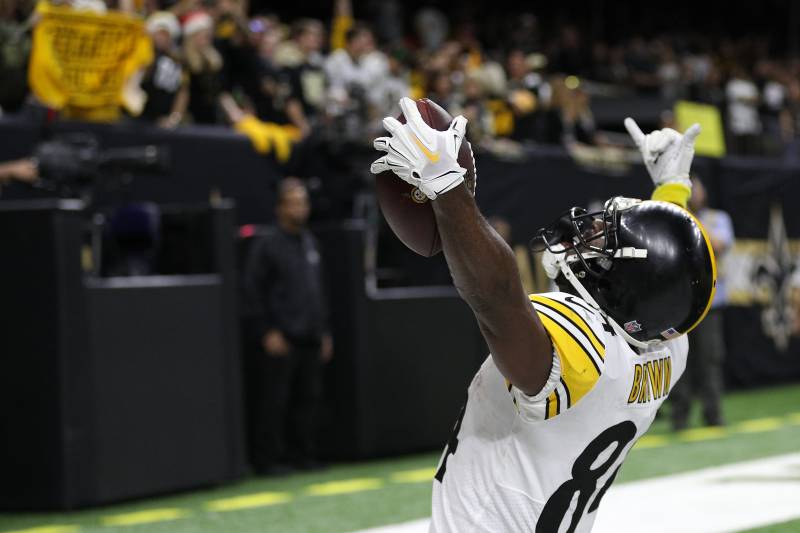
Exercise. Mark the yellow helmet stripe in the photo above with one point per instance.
(713, 272)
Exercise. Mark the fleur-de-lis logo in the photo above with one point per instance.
(773, 278)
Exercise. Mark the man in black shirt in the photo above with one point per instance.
(284, 291)
(306, 70)
(165, 81)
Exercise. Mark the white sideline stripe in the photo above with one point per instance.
(723, 499)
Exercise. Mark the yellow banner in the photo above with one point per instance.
(82, 60)
(711, 141)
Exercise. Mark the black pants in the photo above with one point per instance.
(284, 393)
(703, 375)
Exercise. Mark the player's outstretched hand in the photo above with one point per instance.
(667, 154)
(422, 156)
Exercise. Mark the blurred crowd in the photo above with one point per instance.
(229, 61)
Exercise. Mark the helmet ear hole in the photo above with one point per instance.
(605, 263)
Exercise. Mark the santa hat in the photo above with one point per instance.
(164, 20)
(196, 21)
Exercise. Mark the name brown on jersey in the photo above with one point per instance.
(651, 380)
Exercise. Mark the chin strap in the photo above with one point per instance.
(556, 262)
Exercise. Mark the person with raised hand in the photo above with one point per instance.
(574, 377)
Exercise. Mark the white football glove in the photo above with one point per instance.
(667, 154)
(419, 154)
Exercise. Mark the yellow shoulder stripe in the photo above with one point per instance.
(551, 407)
(575, 318)
(578, 369)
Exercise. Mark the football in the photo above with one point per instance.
(407, 210)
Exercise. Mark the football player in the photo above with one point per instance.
(575, 377)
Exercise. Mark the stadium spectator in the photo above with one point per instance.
(522, 71)
(237, 43)
(440, 89)
(744, 125)
(165, 81)
(249, 75)
(528, 93)
(205, 65)
(707, 86)
(773, 106)
(703, 375)
(570, 118)
(96, 6)
(15, 45)
(267, 85)
(179, 8)
(342, 93)
(283, 282)
(351, 72)
(475, 107)
(393, 85)
(302, 59)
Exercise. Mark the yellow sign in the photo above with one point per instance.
(81, 60)
(711, 141)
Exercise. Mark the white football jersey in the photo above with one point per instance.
(517, 463)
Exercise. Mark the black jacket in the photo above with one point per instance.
(283, 285)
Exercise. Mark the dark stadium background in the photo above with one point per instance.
(608, 20)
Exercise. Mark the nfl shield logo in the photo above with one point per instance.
(632, 327)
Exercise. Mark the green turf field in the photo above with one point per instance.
(354, 496)
(785, 527)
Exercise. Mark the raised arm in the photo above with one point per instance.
(482, 265)
(485, 273)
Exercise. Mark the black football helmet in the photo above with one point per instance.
(648, 265)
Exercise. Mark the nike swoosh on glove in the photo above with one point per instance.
(420, 155)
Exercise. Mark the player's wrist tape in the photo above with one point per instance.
(676, 192)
